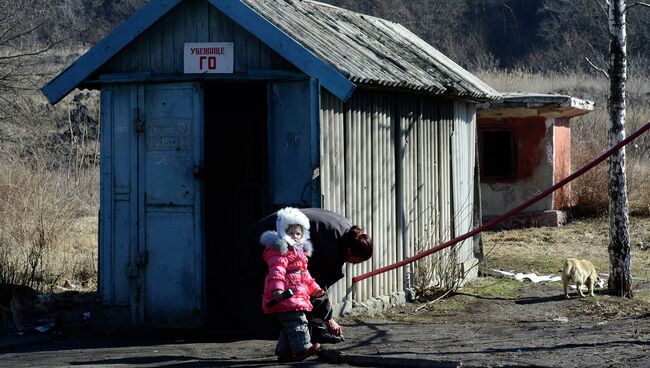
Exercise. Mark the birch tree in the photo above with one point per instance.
(620, 255)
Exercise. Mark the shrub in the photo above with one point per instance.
(49, 194)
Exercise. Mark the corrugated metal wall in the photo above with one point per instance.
(464, 151)
(393, 158)
(160, 48)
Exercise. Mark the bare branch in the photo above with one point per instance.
(24, 33)
(510, 9)
(602, 6)
(603, 61)
(34, 53)
(638, 3)
(597, 68)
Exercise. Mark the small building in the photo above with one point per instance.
(524, 149)
(215, 113)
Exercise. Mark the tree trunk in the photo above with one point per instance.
(620, 278)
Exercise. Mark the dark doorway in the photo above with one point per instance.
(235, 196)
(497, 155)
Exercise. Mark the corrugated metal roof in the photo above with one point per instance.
(369, 50)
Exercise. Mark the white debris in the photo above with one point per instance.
(529, 276)
(543, 278)
(536, 278)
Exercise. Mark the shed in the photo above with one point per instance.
(525, 148)
(214, 113)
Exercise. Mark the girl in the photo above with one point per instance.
(288, 285)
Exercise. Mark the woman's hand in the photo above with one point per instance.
(333, 327)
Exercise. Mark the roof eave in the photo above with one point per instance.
(537, 104)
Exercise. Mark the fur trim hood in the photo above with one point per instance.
(272, 240)
(291, 216)
(280, 240)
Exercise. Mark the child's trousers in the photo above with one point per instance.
(294, 336)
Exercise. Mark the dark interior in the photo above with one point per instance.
(497, 154)
(235, 196)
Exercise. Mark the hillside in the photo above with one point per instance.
(530, 34)
(535, 35)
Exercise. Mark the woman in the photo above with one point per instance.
(335, 242)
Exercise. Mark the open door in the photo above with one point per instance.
(236, 195)
(264, 155)
(294, 148)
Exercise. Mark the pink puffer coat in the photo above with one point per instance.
(288, 269)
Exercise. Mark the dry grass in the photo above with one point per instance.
(44, 225)
(549, 82)
(49, 189)
(544, 249)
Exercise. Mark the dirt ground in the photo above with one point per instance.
(490, 322)
(493, 322)
(544, 249)
(502, 323)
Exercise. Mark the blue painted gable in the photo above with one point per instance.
(245, 16)
(110, 45)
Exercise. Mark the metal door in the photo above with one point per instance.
(171, 288)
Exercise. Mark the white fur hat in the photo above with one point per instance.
(291, 216)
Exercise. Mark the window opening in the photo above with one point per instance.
(497, 154)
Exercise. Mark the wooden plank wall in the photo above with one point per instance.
(159, 50)
(118, 194)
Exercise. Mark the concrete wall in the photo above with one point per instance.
(562, 144)
(534, 166)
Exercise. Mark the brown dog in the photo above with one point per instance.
(581, 272)
(20, 300)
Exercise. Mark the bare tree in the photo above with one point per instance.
(21, 67)
(620, 256)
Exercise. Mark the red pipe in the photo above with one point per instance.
(501, 218)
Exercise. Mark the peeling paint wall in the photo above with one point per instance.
(534, 166)
(562, 143)
(529, 134)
